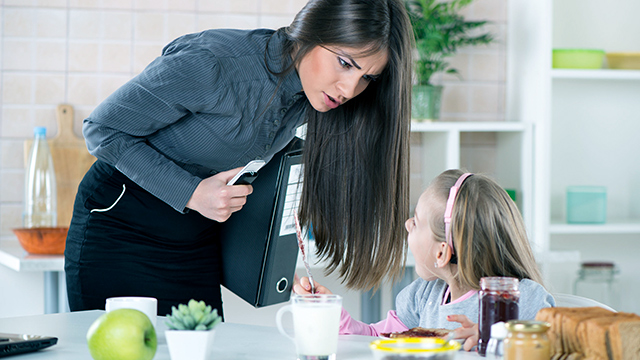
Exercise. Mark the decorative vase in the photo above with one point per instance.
(190, 344)
(425, 102)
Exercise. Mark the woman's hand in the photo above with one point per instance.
(217, 201)
(468, 331)
(303, 287)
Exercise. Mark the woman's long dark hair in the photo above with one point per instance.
(356, 157)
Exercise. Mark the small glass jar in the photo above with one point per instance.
(598, 281)
(498, 302)
(527, 340)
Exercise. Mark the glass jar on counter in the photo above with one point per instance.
(527, 340)
(598, 281)
(499, 298)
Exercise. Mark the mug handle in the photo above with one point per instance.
(279, 315)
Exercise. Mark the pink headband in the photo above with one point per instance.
(449, 209)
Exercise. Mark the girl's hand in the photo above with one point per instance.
(217, 201)
(303, 287)
(468, 331)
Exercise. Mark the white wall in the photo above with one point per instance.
(79, 51)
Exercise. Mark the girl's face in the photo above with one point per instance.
(330, 76)
(422, 243)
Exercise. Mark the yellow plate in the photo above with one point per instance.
(414, 345)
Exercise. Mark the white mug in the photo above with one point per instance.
(316, 323)
(147, 305)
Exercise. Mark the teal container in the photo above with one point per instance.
(586, 204)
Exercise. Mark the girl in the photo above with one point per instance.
(147, 214)
(465, 227)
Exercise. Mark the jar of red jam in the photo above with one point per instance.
(498, 302)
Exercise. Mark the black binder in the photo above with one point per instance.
(258, 243)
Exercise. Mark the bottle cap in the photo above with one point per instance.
(499, 330)
(500, 283)
(528, 326)
(40, 130)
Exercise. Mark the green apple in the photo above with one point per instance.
(122, 334)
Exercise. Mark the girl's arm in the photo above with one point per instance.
(348, 325)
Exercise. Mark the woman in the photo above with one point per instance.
(147, 213)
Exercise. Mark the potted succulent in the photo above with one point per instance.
(191, 330)
(439, 31)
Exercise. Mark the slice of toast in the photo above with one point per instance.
(563, 337)
(592, 333)
(623, 338)
(418, 332)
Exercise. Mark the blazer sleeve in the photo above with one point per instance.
(175, 84)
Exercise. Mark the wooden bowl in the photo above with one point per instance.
(43, 241)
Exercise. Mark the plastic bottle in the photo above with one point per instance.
(495, 348)
(40, 205)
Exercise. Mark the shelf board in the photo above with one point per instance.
(468, 126)
(558, 257)
(611, 227)
(602, 74)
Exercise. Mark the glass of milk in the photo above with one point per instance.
(316, 321)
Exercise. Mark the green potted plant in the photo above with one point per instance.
(191, 330)
(439, 32)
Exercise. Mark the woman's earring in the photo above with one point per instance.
(435, 263)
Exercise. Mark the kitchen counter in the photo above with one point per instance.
(13, 256)
(232, 341)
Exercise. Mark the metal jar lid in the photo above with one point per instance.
(528, 326)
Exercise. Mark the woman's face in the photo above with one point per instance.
(331, 76)
(422, 243)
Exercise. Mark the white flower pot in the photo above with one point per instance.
(190, 344)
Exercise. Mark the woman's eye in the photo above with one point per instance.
(370, 78)
(344, 63)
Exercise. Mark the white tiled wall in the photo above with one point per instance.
(79, 51)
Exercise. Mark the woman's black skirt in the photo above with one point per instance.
(123, 241)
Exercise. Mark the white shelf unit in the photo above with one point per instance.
(603, 74)
(586, 121)
(619, 227)
(442, 149)
(586, 126)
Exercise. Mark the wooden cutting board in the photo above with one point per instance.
(71, 160)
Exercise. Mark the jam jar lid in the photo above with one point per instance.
(501, 283)
(528, 326)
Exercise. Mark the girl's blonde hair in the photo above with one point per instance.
(489, 236)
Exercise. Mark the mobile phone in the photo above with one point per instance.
(247, 174)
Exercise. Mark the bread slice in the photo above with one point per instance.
(571, 320)
(623, 338)
(419, 332)
(593, 333)
(563, 334)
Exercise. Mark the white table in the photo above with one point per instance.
(232, 341)
(13, 256)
